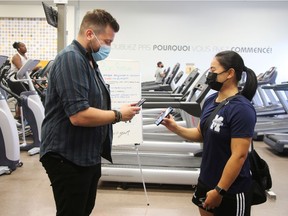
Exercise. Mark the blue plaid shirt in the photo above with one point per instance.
(75, 86)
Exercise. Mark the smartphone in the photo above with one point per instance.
(202, 200)
(140, 102)
(163, 115)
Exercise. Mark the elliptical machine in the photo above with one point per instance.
(9, 140)
(32, 107)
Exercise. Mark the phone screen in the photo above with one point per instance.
(140, 102)
(163, 115)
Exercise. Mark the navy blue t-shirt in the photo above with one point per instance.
(236, 119)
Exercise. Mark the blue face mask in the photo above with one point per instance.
(102, 53)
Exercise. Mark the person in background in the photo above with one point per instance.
(17, 61)
(225, 180)
(20, 58)
(159, 73)
(77, 128)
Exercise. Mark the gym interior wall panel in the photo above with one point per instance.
(27, 23)
(188, 31)
(19, 9)
(194, 31)
(39, 38)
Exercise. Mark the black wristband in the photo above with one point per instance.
(118, 116)
(221, 191)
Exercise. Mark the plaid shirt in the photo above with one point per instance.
(75, 86)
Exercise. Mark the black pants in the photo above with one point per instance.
(74, 187)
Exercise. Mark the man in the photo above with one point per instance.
(159, 73)
(77, 128)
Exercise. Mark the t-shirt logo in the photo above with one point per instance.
(217, 123)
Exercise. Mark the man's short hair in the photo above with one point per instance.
(98, 20)
(159, 63)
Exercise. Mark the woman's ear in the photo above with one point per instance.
(231, 73)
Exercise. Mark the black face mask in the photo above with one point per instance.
(212, 82)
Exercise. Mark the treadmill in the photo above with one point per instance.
(279, 126)
(179, 94)
(178, 91)
(196, 94)
(166, 86)
(161, 166)
(166, 72)
(173, 83)
(270, 104)
(277, 141)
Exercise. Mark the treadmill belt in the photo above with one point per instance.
(279, 138)
(271, 126)
(278, 142)
(186, 161)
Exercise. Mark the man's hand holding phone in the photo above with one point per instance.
(140, 102)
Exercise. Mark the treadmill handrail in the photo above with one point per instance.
(163, 99)
(161, 95)
(193, 108)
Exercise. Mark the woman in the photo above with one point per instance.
(20, 58)
(17, 61)
(225, 179)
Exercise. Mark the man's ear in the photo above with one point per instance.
(89, 34)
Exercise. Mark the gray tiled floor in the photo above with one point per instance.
(27, 192)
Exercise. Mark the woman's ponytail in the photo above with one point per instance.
(230, 59)
(250, 85)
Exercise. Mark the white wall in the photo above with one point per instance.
(204, 27)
